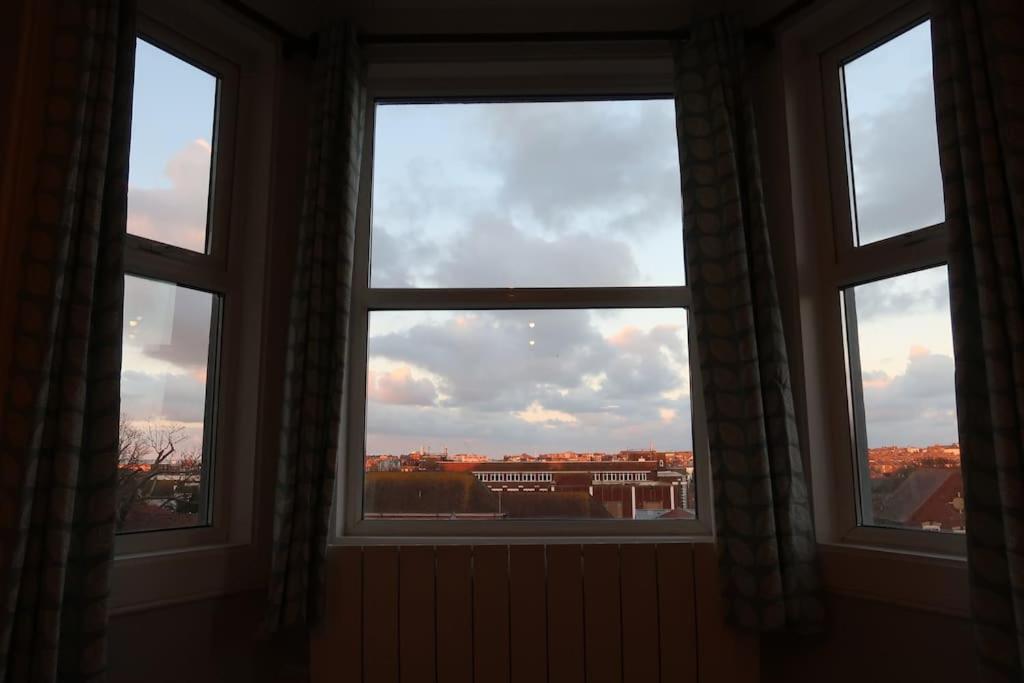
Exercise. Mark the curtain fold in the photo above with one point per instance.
(317, 335)
(979, 94)
(58, 440)
(764, 528)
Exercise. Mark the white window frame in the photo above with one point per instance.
(832, 262)
(166, 566)
(562, 71)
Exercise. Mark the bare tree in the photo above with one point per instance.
(145, 453)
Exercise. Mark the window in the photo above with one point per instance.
(900, 355)
(172, 325)
(193, 336)
(886, 294)
(520, 316)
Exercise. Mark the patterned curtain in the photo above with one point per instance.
(765, 533)
(979, 93)
(318, 331)
(58, 439)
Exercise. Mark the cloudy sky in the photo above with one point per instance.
(542, 194)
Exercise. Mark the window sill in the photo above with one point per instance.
(358, 541)
(926, 581)
(151, 580)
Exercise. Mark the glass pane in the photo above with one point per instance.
(529, 414)
(526, 194)
(896, 184)
(164, 431)
(172, 140)
(901, 362)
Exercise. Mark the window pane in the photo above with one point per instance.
(901, 363)
(529, 414)
(172, 141)
(165, 436)
(526, 194)
(896, 184)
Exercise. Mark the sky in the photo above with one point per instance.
(541, 194)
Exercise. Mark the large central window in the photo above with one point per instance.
(520, 314)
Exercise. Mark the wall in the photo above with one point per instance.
(204, 641)
(510, 614)
(877, 642)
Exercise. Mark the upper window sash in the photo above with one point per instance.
(873, 227)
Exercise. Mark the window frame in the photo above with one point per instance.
(475, 73)
(169, 565)
(840, 264)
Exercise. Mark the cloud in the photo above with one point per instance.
(609, 166)
(913, 293)
(175, 214)
(535, 412)
(169, 397)
(896, 165)
(495, 253)
(398, 386)
(916, 408)
(547, 194)
(575, 388)
(172, 323)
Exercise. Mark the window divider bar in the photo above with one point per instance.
(526, 298)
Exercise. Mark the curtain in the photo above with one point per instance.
(979, 93)
(764, 529)
(317, 335)
(58, 439)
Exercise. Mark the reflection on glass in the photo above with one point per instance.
(166, 351)
(529, 414)
(172, 139)
(526, 194)
(896, 184)
(901, 368)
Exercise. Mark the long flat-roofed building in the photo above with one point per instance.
(628, 490)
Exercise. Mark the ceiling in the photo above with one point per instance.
(497, 16)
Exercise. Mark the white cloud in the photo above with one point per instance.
(535, 412)
(176, 214)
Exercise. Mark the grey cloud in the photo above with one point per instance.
(495, 253)
(175, 322)
(917, 408)
(563, 161)
(896, 165)
(176, 398)
(879, 300)
(489, 371)
(599, 182)
(391, 428)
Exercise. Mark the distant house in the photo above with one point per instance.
(929, 498)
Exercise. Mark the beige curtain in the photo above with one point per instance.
(58, 440)
(979, 92)
(317, 335)
(765, 532)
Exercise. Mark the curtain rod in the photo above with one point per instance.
(294, 43)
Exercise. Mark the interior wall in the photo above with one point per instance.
(874, 641)
(206, 641)
(601, 613)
